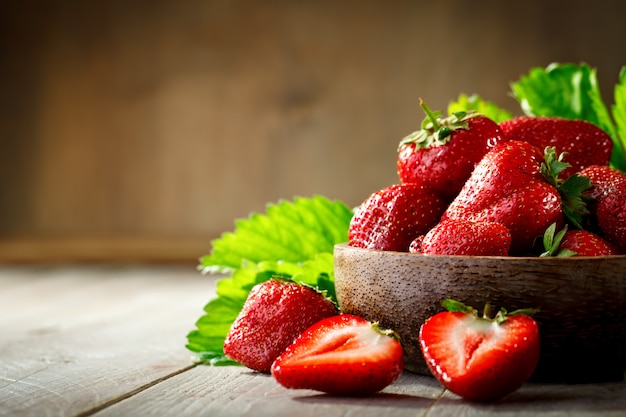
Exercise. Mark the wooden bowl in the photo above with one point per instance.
(582, 302)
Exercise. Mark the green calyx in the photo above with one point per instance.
(385, 332)
(500, 317)
(571, 189)
(436, 130)
(552, 242)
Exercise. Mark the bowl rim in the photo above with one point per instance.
(346, 246)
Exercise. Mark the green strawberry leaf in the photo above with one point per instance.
(552, 240)
(572, 91)
(564, 90)
(475, 103)
(291, 231)
(618, 159)
(292, 239)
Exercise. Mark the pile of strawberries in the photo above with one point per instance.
(530, 186)
(471, 186)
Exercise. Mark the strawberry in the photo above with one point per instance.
(274, 314)
(444, 151)
(584, 143)
(575, 243)
(464, 237)
(609, 202)
(514, 184)
(391, 218)
(341, 355)
(480, 358)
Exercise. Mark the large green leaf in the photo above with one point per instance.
(292, 231)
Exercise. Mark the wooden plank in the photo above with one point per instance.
(75, 339)
(237, 391)
(112, 248)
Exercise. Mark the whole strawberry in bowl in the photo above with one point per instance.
(608, 205)
(391, 218)
(584, 142)
(443, 152)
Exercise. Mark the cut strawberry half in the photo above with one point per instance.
(480, 358)
(341, 355)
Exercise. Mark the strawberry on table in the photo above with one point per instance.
(480, 358)
(444, 151)
(464, 237)
(510, 185)
(341, 355)
(391, 218)
(584, 143)
(609, 202)
(274, 314)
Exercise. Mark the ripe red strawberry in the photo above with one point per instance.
(585, 243)
(575, 243)
(507, 186)
(480, 358)
(464, 237)
(341, 355)
(584, 143)
(391, 218)
(274, 314)
(444, 151)
(609, 203)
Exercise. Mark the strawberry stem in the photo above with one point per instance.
(487, 311)
(430, 115)
(436, 130)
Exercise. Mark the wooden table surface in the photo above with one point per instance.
(109, 341)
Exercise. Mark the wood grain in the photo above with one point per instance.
(75, 339)
(235, 391)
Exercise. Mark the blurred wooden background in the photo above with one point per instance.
(139, 130)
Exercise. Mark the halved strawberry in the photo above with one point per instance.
(341, 355)
(274, 314)
(480, 358)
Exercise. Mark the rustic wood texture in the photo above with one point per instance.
(161, 118)
(109, 341)
(76, 339)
